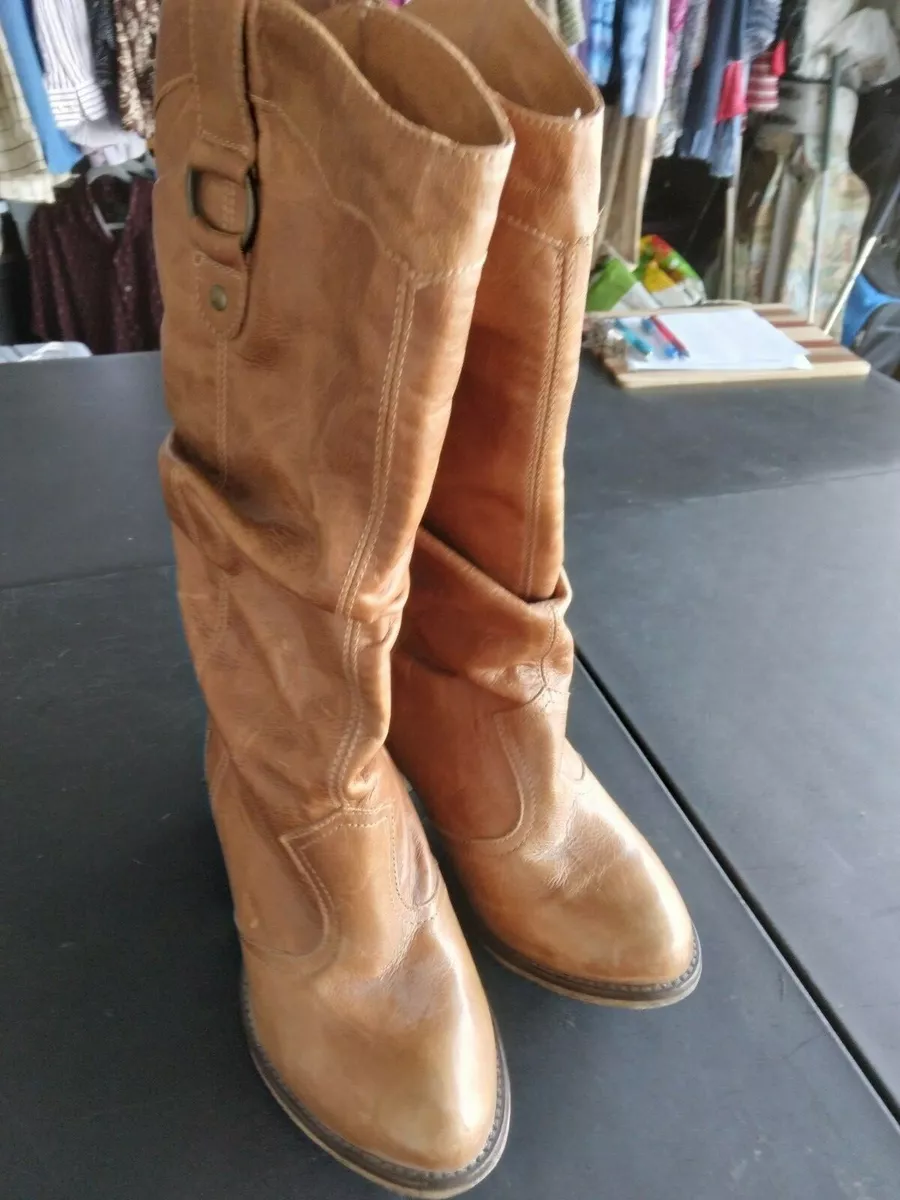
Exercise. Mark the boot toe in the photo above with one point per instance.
(643, 954)
(592, 912)
(421, 1106)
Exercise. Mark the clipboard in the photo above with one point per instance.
(828, 359)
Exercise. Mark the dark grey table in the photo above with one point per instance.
(736, 564)
(122, 1071)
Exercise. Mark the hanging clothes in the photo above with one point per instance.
(765, 72)
(871, 39)
(547, 9)
(779, 202)
(678, 11)
(790, 31)
(760, 28)
(565, 17)
(106, 143)
(76, 97)
(60, 154)
(651, 89)
(718, 84)
(137, 25)
(23, 169)
(598, 52)
(64, 40)
(637, 20)
(688, 46)
(91, 285)
(630, 140)
(572, 28)
(102, 25)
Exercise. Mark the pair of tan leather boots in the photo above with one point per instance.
(374, 232)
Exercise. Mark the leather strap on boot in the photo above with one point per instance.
(220, 182)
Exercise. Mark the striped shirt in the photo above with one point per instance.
(64, 37)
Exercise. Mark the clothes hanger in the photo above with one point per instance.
(126, 172)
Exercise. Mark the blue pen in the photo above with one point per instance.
(666, 347)
(635, 342)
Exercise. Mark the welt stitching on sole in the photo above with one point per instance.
(383, 1167)
(589, 987)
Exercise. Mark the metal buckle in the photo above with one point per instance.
(251, 203)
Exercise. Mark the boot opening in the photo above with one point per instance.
(516, 52)
(416, 75)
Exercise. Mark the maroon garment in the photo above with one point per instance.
(91, 286)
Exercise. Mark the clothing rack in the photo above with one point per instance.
(76, 123)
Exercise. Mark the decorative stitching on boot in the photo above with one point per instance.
(384, 450)
(222, 412)
(351, 579)
(554, 633)
(171, 86)
(195, 78)
(238, 68)
(540, 236)
(298, 844)
(539, 434)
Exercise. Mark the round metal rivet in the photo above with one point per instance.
(218, 297)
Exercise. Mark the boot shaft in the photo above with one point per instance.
(327, 190)
(304, 370)
(498, 496)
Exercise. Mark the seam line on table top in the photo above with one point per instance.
(55, 581)
(700, 827)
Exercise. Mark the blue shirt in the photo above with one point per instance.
(59, 153)
(599, 54)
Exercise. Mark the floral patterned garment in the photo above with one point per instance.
(137, 23)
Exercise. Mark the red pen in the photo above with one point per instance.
(670, 337)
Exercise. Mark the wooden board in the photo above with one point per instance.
(828, 358)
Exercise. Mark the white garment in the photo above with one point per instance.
(76, 99)
(107, 143)
(652, 88)
(64, 38)
(869, 37)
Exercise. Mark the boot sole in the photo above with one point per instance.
(588, 991)
(405, 1181)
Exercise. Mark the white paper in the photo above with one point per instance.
(725, 339)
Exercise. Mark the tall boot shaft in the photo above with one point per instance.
(310, 378)
(502, 507)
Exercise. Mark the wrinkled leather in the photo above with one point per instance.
(554, 869)
(309, 413)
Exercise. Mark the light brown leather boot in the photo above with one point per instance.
(566, 889)
(327, 192)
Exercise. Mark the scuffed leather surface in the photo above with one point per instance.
(482, 674)
(309, 415)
